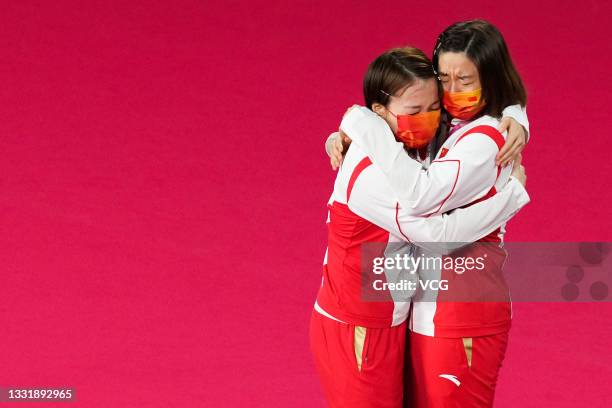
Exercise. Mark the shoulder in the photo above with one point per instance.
(486, 127)
(485, 120)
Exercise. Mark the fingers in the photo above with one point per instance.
(504, 125)
(515, 142)
(504, 152)
(329, 143)
(509, 152)
(344, 139)
(336, 153)
(338, 146)
(513, 154)
(334, 163)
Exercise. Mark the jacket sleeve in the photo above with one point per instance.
(465, 174)
(518, 113)
(372, 200)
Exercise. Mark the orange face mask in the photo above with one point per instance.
(463, 105)
(416, 131)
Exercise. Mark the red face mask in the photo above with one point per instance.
(416, 131)
(463, 105)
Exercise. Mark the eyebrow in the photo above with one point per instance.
(460, 76)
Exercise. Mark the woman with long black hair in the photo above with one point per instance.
(457, 347)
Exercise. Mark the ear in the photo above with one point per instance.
(379, 109)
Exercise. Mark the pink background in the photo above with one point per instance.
(163, 188)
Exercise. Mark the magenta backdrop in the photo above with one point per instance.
(163, 189)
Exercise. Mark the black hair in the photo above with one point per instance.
(393, 71)
(485, 47)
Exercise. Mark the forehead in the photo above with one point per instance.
(419, 90)
(456, 63)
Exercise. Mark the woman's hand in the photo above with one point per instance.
(518, 170)
(337, 144)
(517, 138)
(334, 150)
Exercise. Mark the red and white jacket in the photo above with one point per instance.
(462, 175)
(364, 209)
